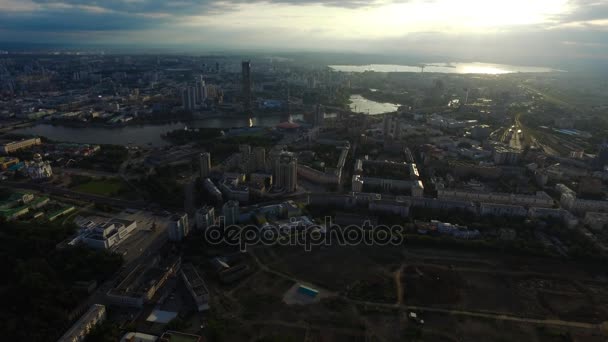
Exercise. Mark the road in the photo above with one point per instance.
(53, 190)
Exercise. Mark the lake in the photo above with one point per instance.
(360, 104)
(141, 135)
(448, 68)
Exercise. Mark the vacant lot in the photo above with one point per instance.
(102, 187)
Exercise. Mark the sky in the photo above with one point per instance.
(480, 30)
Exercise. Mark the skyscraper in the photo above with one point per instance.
(246, 79)
(189, 98)
(201, 91)
(285, 172)
(204, 164)
(602, 156)
(319, 116)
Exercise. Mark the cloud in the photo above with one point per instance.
(583, 11)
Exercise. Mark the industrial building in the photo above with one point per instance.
(140, 285)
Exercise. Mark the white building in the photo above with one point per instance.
(38, 169)
(104, 235)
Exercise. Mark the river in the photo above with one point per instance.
(360, 104)
(448, 68)
(142, 135)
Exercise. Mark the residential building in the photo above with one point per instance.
(205, 217)
(496, 209)
(13, 146)
(96, 314)
(286, 172)
(231, 212)
(196, 286)
(204, 164)
(178, 227)
(540, 199)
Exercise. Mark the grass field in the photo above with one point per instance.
(102, 187)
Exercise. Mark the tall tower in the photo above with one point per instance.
(246, 79)
(204, 164)
(201, 91)
(286, 172)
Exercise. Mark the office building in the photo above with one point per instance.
(246, 79)
(286, 172)
(231, 212)
(178, 227)
(106, 234)
(204, 164)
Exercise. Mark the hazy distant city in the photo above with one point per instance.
(395, 174)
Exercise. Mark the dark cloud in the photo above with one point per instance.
(584, 10)
(74, 19)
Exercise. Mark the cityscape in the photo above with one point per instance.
(177, 195)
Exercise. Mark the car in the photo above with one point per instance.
(414, 317)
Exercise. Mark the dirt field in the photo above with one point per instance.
(364, 281)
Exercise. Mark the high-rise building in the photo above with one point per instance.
(285, 172)
(245, 149)
(259, 157)
(189, 98)
(204, 164)
(178, 227)
(319, 116)
(246, 79)
(231, 212)
(602, 156)
(205, 217)
(201, 90)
